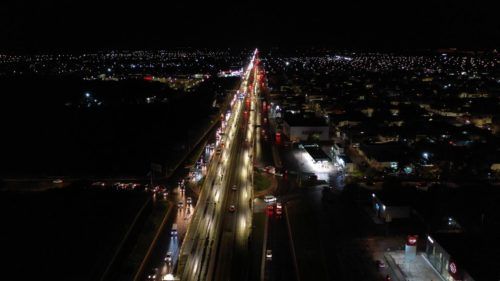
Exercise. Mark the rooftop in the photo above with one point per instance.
(316, 153)
(297, 120)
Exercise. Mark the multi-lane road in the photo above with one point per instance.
(215, 234)
(220, 226)
(232, 255)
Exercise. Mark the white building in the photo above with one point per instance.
(298, 128)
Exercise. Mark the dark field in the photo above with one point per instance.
(49, 129)
(63, 234)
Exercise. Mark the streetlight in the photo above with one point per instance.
(425, 155)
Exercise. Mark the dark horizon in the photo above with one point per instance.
(59, 26)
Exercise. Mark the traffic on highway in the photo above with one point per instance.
(223, 210)
(205, 234)
(210, 239)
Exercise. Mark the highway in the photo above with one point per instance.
(155, 266)
(215, 233)
(182, 218)
(232, 255)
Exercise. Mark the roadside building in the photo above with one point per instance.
(392, 205)
(447, 253)
(469, 250)
(299, 128)
(316, 154)
(316, 161)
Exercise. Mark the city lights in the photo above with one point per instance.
(157, 142)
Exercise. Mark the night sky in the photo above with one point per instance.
(82, 25)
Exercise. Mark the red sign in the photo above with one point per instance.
(411, 240)
(454, 270)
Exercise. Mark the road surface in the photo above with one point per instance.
(212, 231)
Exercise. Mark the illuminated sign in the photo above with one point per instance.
(453, 268)
(411, 240)
(454, 271)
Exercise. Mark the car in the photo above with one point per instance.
(168, 258)
(234, 188)
(189, 200)
(279, 208)
(180, 204)
(181, 183)
(57, 181)
(153, 274)
(269, 255)
(173, 231)
(232, 208)
(380, 264)
(270, 169)
(269, 199)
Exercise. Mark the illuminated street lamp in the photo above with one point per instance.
(425, 155)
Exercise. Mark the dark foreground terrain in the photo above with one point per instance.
(64, 234)
(53, 129)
